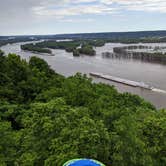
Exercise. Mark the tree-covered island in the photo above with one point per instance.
(76, 47)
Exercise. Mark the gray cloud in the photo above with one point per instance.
(22, 14)
(28, 9)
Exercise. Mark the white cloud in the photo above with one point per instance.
(72, 11)
(66, 8)
(19, 9)
(32, 13)
(69, 8)
(139, 5)
(77, 20)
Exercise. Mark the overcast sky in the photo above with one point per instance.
(23, 17)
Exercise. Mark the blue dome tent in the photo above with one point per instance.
(83, 162)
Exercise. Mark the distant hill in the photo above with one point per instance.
(122, 37)
(115, 35)
(106, 35)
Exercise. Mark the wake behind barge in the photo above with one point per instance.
(122, 81)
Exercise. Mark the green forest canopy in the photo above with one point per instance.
(47, 119)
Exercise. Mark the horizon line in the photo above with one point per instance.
(72, 33)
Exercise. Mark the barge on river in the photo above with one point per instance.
(122, 81)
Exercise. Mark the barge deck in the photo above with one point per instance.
(122, 81)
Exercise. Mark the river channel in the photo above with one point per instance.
(64, 63)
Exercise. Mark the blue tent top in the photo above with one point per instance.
(83, 162)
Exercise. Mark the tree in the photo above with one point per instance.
(47, 119)
(128, 148)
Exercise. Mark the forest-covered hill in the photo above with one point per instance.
(47, 119)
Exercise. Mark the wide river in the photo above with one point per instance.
(149, 73)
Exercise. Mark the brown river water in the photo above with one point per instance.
(135, 70)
